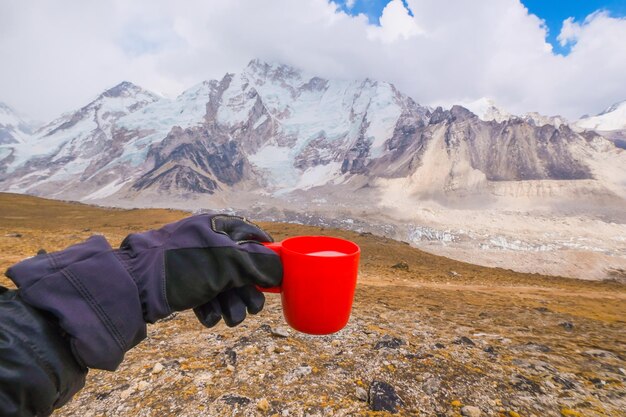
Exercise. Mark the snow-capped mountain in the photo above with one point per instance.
(611, 123)
(13, 127)
(540, 120)
(486, 109)
(613, 118)
(75, 144)
(274, 130)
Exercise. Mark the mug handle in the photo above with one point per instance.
(276, 247)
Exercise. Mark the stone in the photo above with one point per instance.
(439, 345)
(567, 326)
(383, 397)
(265, 328)
(389, 342)
(490, 350)
(230, 357)
(280, 332)
(431, 385)
(403, 266)
(522, 383)
(263, 405)
(233, 399)
(298, 373)
(244, 341)
(537, 347)
(203, 377)
(566, 383)
(143, 385)
(464, 340)
(127, 393)
(418, 355)
(168, 318)
(158, 368)
(102, 395)
(13, 235)
(599, 353)
(454, 274)
(470, 411)
(361, 394)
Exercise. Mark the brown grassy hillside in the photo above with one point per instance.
(442, 334)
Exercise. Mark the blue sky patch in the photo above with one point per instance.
(553, 12)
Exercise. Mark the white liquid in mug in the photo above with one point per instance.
(327, 253)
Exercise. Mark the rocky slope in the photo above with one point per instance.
(428, 336)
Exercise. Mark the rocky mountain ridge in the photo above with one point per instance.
(273, 129)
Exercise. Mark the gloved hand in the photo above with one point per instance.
(210, 263)
(231, 305)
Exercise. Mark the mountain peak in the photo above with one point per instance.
(614, 107)
(273, 70)
(486, 109)
(123, 89)
(611, 119)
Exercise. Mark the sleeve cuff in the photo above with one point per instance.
(91, 294)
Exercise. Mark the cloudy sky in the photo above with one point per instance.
(563, 57)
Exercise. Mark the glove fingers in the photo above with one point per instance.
(209, 314)
(233, 307)
(239, 229)
(252, 298)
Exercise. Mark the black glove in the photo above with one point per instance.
(210, 263)
(231, 305)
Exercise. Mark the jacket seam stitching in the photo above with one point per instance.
(163, 278)
(127, 266)
(53, 262)
(46, 366)
(102, 315)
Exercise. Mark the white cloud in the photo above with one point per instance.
(395, 23)
(569, 31)
(57, 58)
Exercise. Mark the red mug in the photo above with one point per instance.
(319, 279)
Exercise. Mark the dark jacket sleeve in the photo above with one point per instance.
(91, 294)
(38, 372)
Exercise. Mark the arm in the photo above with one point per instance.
(38, 372)
(102, 298)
